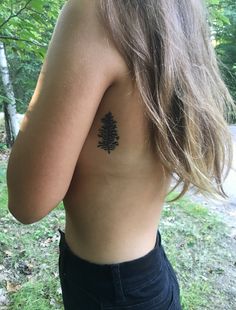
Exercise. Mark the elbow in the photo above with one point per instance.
(22, 217)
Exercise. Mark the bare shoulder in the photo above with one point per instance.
(83, 17)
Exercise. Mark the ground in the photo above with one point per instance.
(226, 210)
(199, 237)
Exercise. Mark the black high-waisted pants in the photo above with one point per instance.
(145, 283)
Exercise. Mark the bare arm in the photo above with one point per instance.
(78, 68)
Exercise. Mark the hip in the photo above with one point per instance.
(146, 283)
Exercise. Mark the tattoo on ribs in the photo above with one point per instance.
(108, 133)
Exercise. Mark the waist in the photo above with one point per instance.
(113, 227)
(145, 281)
(110, 246)
(129, 269)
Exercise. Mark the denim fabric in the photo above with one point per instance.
(145, 283)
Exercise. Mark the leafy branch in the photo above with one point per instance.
(12, 15)
(23, 40)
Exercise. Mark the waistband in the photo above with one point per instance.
(132, 272)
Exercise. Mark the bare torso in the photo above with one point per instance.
(114, 203)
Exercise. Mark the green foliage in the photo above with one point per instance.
(26, 28)
(223, 21)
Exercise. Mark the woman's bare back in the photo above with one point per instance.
(114, 202)
(92, 151)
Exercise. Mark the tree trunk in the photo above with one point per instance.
(9, 106)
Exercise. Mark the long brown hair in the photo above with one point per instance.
(166, 45)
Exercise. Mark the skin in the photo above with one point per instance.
(115, 200)
(83, 140)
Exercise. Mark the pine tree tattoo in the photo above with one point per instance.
(108, 133)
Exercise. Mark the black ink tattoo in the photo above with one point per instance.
(108, 133)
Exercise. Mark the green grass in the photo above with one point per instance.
(197, 244)
(195, 241)
(35, 295)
